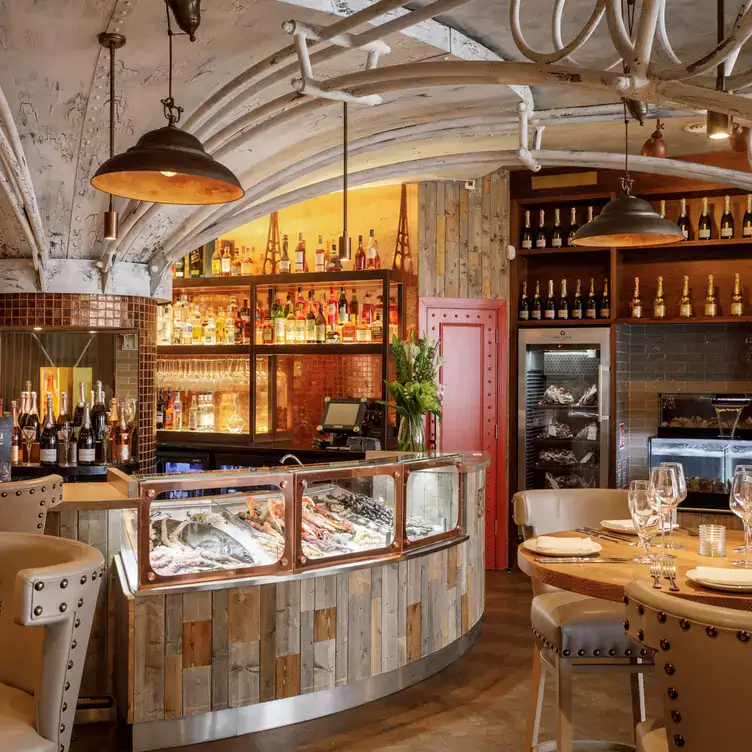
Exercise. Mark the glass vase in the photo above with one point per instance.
(411, 436)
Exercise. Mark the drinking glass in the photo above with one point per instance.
(741, 491)
(663, 490)
(646, 521)
(736, 508)
(29, 433)
(681, 481)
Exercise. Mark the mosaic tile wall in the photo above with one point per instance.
(24, 310)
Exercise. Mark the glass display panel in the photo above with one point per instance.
(704, 462)
(737, 453)
(433, 502)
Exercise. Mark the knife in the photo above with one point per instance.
(614, 538)
(578, 560)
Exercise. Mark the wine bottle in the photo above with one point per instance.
(590, 214)
(562, 312)
(684, 219)
(705, 225)
(48, 437)
(550, 311)
(663, 208)
(737, 300)
(524, 307)
(15, 435)
(301, 263)
(577, 306)
(636, 303)
(64, 428)
(86, 442)
(686, 310)
(557, 234)
(526, 240)
(122, 437)
(659, 304)
(536, 311)
(32, 419)
(343, 311)
(360, 256)
(373, 260)
(284, 262)
(711, 301)
(23, 408)
(320, 255)
(605, 311)
(78, 413)
(572, 225)
(727, 219)
(99, 413)
(591, 309)
(321, 323)
(541, 238)
(159, 414)
(310, 321)
(747, 221)
(226, 264)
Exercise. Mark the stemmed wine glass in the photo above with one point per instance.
(735, 507)
(29, 433)
(646, 521)
(663, 490)
(681, 481)
(741, 493)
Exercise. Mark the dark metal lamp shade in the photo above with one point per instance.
(627, 222)
(168, 166)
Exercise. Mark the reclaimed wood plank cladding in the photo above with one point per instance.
(307, 602)
(359, 625)
(173, 681)
(244, 633)
(267, 641)
(389, 617)
(220, 649)
(464, 241)
(402, 613)
(474, 281)
(149, 654)
(440, 237)
(343, 636)
(452, 212)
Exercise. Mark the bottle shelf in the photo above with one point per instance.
(563, 323)
(563, 249)
(192, 283)
(203, 349)
(693, 320)
(363, 348)
(306, 278)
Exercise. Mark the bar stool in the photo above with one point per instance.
(575, 633)
(24, 503)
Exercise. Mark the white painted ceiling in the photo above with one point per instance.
(55, 77)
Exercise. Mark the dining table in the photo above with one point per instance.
(607, 580)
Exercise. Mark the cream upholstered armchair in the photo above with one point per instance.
(48, 591)
(704, 666)
(24, 503)
(575, 633)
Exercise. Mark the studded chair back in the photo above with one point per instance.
(24, 503)
(703, 662)
(48, 591)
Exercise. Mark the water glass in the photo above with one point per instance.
(736, 508)
(681, 481)
(663, 491)
(713, 541)
(646, 521)
(741, 500)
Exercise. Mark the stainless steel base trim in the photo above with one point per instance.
(222, 724)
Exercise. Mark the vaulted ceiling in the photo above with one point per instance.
(285, 146)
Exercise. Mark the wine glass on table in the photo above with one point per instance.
(681, 481)
(663, 490)
(734, 505)
(29, 434)
(645, 520)
(741, 493)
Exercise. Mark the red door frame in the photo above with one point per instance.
(502, 404)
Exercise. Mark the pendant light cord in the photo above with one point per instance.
(112, 105)
(626, 181)
(172, 112)
(344, 166)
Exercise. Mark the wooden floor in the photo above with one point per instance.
(477, 704)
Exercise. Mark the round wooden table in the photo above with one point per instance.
(607, 581)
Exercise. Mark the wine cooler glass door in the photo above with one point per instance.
(563, 412)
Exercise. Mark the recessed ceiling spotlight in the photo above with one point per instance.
(698, 128)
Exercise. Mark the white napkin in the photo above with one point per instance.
(568, 545)
(626, 526)
(724, 575)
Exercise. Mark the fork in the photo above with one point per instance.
(655, 573)
(669, 572)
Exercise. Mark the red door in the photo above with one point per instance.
(474, 346)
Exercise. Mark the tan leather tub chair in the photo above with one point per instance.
(24, 503)
(575, 633)
(48, 590)
(704, 666)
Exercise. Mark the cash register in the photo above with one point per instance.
(351, 423)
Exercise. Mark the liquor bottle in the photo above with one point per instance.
(168, 413)
(366, 311)
(216, 261)
(177, 413)
(393, 318)
(572, 225)
(236, 264)
(332, 335)
(197, 328)
(373, 260)
(550, 310)
(64, 426)
(226, 260)
(737, 300)
(747, 220)
(727, 219)
(636, 302)
(360, 256)
(331, 308)
(683, 220)
(362, 331)
(541, 238)
(590, 214)
(15, 435)
(659, 304)
(267, 334)
(32, 419)
(301, 265)
(48, 437)
(220, 322)
(320, 256)
(663, 209)
(605, 310)
(289, 321)
(686, 310)
(354, 307)
(279, 324)
(578, 309)
(333, 263)
(300, 319)
(562, 311)
(180, 268)
(86, 442)
(159, 414)
(526, 241)
(132, 418)
(348, 331)
(704, 227)
(343, 309)
(246, 262)
(536, 311)
(320, 328)
(711, 301)
(557, 234)
(210, 328)
(310, 321)
(193, 414)
(377, 327)
(284, 262)
(591, 308)
(523, 313)
(245, 319)
(122, 438)
(196, 260)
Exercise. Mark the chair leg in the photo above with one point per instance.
(564, 705)
(535, 708)
(637, 682)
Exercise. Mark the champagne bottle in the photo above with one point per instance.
(636, 303)
(704, 227)
(48, 437)
(541, 238)
(536, 312)
(605, 312)
(64, 428)
(32, 419)
(711, 302)
(526, 241)
(727, 219)
(686, 310)
(557, 234)
(591, 309)
(659, 304)
(86, 442)
(562, 312)
(590, 214)
(122, 437)
(737, 300)
(15, 435)
(684, 219)
(747, 221)
(572, 225)
(577, 306)
(524, 308)
(550, 310)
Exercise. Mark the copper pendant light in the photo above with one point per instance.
(718, 124)
(655, 146)
(168, 165)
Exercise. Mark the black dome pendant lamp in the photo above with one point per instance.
(168, 165)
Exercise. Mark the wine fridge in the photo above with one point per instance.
(563, 411)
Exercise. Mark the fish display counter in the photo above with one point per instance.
(246, 600)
